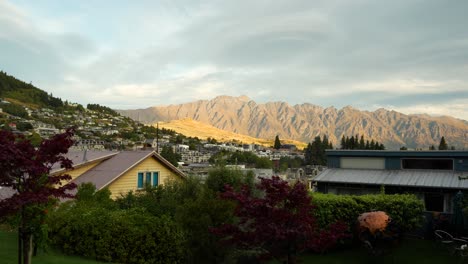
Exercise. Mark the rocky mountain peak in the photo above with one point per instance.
(305, 121)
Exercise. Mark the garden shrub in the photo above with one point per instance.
(182, 201)
(122, 236)
(405, 210)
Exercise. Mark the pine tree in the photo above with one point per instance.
(343, 142)
(372, 144)
(362, 143)
(325, 142)
(432, 147)
(352, 143)
(277, 144)
(443, 145)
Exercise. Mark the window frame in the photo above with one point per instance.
(145, 175)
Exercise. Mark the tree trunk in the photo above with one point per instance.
(27, 248)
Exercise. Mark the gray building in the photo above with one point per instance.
(434, 176)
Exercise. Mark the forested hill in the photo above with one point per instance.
(12, 88)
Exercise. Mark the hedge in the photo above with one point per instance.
(122, 236)
(404, 209)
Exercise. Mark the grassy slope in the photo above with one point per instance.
(8, 253)
(192, 128)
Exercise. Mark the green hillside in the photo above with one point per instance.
(18, 91)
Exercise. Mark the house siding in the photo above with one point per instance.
(129, 180)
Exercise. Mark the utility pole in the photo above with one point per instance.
(157, 137)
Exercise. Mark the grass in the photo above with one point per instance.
(409, 251)
(192, 128)
(9, 253)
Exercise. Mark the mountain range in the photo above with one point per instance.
(303, 122)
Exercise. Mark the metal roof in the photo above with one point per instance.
(80, 158)
(109, 170)
(397, 153)
(409, 178)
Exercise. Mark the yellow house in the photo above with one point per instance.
(121, 172)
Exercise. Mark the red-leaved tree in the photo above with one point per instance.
(25, 171)
(278, 223)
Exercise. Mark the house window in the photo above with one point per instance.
(140, 180)
(147, 178)
(434, 202)
(427, 164)
(155, 178)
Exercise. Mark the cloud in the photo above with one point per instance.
(456, 108)
(138, 54)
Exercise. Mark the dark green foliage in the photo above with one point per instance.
(170, 155)
(89, 196)
(202, 246)
(10, 87)
(432, 147)
(355, 143)
(404, 209)
(123, 236)
(196, 208)
(287, 162)
(92, 226)
(277, 144)
(443, 145)
(211, 140)
(14, 109)
(314, 153)
(220, 176)
(102, 109)
(24, 126)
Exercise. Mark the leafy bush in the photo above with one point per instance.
(182, 201)
(93, 226)
(123, 236)
(220, 176)
(405, 210)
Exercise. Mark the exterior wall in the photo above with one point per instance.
(128, 181)
(461, 164)
(333, 162)
(393, 163)
(362, 163)
(393, 158)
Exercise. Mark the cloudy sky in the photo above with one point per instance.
(406, 55)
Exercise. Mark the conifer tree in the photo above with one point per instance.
(325, 142)
(372, 144)
(277, 144)
(443, 145)
(362, 143)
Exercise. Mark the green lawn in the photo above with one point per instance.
(410, 251)
(8, 253)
